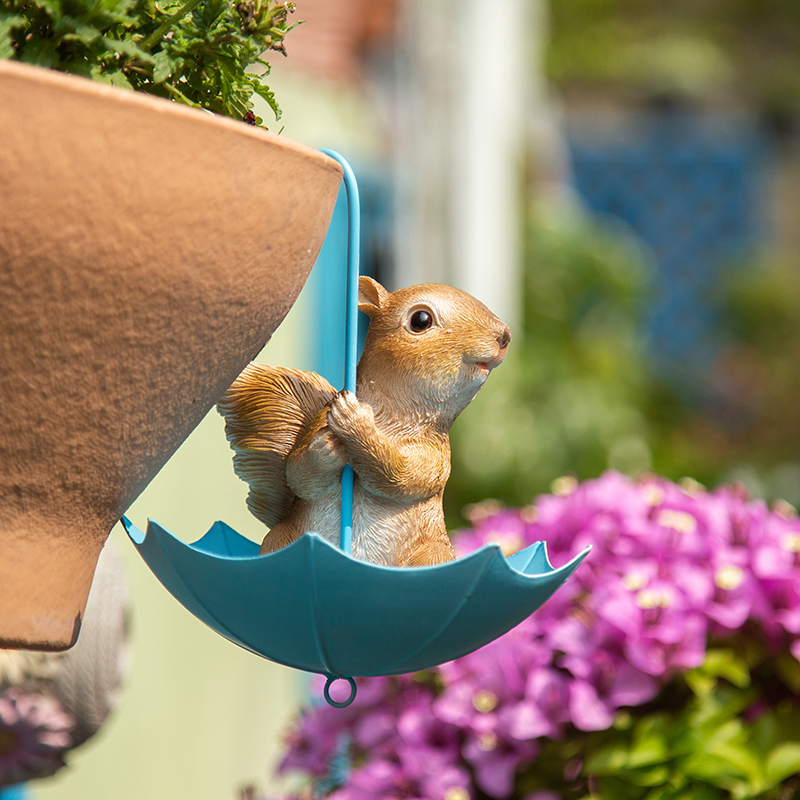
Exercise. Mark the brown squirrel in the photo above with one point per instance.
(429, 349)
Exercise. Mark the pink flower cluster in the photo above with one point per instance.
(672, 568)
(34, 735)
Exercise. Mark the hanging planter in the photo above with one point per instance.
(147, 252)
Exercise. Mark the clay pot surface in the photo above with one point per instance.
(147, 252)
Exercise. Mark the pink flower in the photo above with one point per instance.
(672, 569)
(377, 778)
(587, 711)
(542, 794)
(34, 734)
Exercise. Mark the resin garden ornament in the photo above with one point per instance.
(428, 351)
(148, 250)
(390, 598)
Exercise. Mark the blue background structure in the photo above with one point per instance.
(688, 185)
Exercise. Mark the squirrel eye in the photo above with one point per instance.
(420, 321)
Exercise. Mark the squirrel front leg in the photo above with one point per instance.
(406, 471)
(316, 461)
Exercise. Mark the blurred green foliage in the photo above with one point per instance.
(728, 729)
(577, 393)
(758, 379)
(573, 392)
(750, 48)
(206, 54)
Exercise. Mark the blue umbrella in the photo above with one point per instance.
(314, 607)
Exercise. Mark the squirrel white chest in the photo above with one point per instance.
(381, 529)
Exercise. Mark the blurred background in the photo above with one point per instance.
(620, 181)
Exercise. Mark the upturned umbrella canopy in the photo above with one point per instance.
(315, 608)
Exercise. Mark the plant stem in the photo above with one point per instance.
(167, 24)
(179, 95)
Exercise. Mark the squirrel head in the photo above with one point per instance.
(429, 347)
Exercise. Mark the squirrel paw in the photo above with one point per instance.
(326, 449)
(347, 417)
(310, 470)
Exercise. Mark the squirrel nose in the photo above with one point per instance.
(504, 337)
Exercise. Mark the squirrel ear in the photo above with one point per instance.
(371, 295)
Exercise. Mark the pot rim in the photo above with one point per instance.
(79, 85)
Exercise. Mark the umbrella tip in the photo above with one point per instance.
(327, 691)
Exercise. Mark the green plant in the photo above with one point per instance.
(205, 53)
(703, 747)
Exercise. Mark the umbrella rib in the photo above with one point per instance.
(446, 624)
(322, 653)
(228, 634)
(530, 558)
(189, 590)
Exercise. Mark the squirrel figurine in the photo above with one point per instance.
(429, 348)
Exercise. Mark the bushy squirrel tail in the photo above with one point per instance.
(266, 410)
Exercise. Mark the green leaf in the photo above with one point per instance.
(700, 792)
(8, 23)
(657, 776)
(726, 732)
(660, 793)
(162, 67)
(52, 7)
(783, 761)
(264, 91)
(204, 56)
(724, 703)
(115, 78)
(81, 68)
(40, 52)
(700, 683)
(77, 31)
(726, 664)
(650, 749)
(788, 669)
(178, 95)
(765, 732)
(705, 766)
(741, 760)
(718, 664)
(607, 761)
(127, 48)
(614, 787)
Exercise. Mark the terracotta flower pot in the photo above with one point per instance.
(147, 252)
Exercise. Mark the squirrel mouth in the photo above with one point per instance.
(485, 362)
(486, 365)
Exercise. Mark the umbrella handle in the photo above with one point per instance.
(351, 331)
(350, 363)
